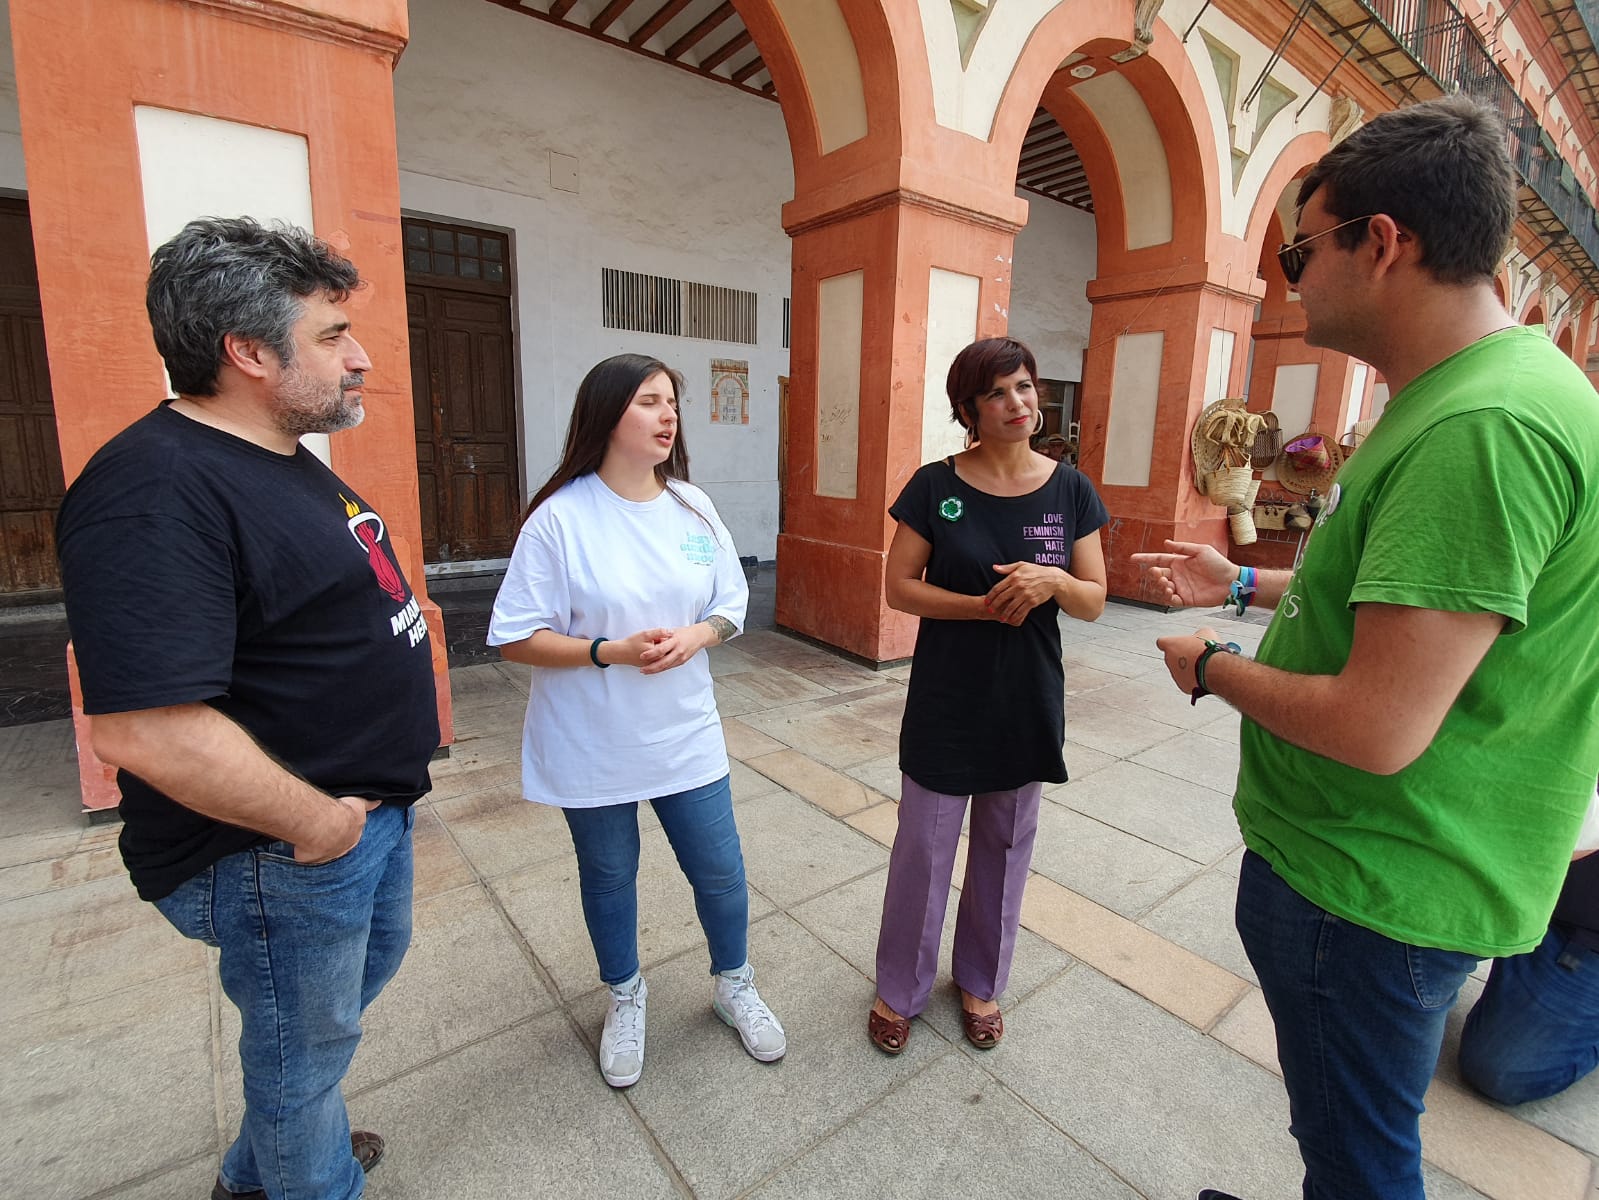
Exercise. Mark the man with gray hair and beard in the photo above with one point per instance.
(237, 613)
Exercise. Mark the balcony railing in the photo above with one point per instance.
(1443, 43)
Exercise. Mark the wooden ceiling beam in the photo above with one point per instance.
(753, 67)
(560, 8)
(698, 34)
(731, 47)
(658, 22)
(609, 14)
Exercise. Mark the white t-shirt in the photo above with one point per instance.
(590, 564)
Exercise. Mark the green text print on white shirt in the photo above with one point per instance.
(590, 564)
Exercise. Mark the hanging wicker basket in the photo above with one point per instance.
(1241, 524)
(1228, 486)
(1268, 443)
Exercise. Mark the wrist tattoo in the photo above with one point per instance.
(722, 628)
(1182, 663)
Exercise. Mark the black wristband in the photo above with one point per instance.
(1199, 666)
(594, 653)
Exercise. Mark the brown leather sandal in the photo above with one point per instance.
(982, 1030)
(888, 1034)
(365, 1145)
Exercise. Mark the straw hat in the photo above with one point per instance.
(1308, 463)
(1222, 437)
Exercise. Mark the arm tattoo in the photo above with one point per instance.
(722, 628)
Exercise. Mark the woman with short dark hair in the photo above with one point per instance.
(992, 545)
(623, 564)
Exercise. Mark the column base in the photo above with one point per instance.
(834, 593)
(1126, 536)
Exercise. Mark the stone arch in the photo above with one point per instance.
(1533, 313)
(1295, 159)
(1169, 92)
(1565, 338)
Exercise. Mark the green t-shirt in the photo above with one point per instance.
(1478, 491)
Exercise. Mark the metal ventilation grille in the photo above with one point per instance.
(642, 303)
(656, 304)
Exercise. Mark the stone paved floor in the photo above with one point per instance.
(1138, 1060)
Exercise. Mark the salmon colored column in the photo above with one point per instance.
(832, 550)
(322, 69)
(1185, 310)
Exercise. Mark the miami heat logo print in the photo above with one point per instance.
(367, 530)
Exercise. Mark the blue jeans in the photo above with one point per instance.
(304, 951)
(1535, 1029)
(699, 824)
(1360, 1020)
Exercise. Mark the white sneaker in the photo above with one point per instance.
(622, 1041)
(738, 1003)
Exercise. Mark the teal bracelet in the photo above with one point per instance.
(1199, 666)
(594, 653)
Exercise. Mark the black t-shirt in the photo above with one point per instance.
(199, 567)
(985, 710)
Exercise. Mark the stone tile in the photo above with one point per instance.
(193, 1178)
(1248, 1029)
(524, 1113)
(746, 743)
(1166, 1108)
(544, 903)
(1156, 700)
(1081, 680)
(1487, 1148)
(847, 920)
(1192, 821)
(1177, 980)
(731, 702)
(1442, 1186)
(500, 776)
(25, 748)
(883, 709)
(520, 675)
(727, 1121)
(439, 866)
(1200, 918)
(832, 737)
(23, 849)
(772, 687)
(839, 675)
(1106, 660)
(484, 684)
(1224, 725)
(1110, 730)
(828, 790)
(1137, 642)
(792, 851)
(69, 869)
(464, 977)
(1080, 761)
(76, 944)
(487, 720)
(134, 1075)
(487, 750)
(497, 831)
(748, 782)
(882, 775)
(730, 660)
(1112, 868)
(1195, 758)
(920, 1142)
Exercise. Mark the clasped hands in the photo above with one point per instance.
(1024, 588)
(655, 650)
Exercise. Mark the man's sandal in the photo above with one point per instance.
(888, 1034)
(982, 1030)
(366, 1146)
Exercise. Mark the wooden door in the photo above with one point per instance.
(30, 452)
(458, 302)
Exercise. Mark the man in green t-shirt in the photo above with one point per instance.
(1419, 741)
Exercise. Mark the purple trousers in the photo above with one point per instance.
(1001, 848)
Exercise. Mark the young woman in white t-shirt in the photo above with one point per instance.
(622, 576)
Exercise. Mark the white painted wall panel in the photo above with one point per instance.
(841, 300)
(1134, 398)
(951, 327)
(1056, 255)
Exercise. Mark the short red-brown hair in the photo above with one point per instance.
(974, 370)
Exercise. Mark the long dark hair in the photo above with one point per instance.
(602, 398)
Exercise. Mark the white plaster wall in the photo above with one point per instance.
(1056, 255)
(12, 175)
(676, 176)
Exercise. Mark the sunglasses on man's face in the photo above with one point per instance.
(1293, 256)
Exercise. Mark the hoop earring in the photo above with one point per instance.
(971, 439)
(1040, 427)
